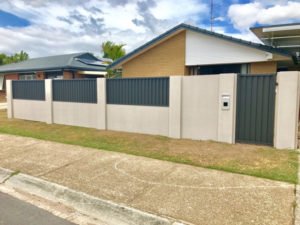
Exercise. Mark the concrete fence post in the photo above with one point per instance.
(48, 101)
(227, 113)
(287, 110)
(101, 104)
(9, 99)
(175, 104)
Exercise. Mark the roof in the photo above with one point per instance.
(281, 36)
(77, 61)
(184, 26)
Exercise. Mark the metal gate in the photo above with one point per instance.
(255, 109)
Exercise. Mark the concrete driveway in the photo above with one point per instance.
(192, 194)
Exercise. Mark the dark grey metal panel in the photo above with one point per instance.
(138, 91)
(255, 109)
(80, 90)
(28, 89)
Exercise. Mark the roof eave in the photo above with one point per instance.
(200, 30)
(53, 68)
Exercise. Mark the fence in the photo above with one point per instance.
(138, 91)
(29, 90)
(82, 91)
(195, 107)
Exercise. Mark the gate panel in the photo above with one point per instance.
(255, 109)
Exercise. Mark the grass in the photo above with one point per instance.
(260, 161)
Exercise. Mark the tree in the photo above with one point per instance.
(113, 51)
(17, 57)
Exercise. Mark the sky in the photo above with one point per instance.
(49, 27)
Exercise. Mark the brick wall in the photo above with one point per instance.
(68, 75)
(12, 76)
(167, 58)
(40, 75)
(263, 67)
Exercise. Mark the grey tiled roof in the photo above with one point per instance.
(68, 61)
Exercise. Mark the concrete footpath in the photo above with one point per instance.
(191, 194)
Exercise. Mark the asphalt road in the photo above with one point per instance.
(16, 212)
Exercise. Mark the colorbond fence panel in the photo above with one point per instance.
(138, 91)
(81, 90)
(255, 109)
(28, 89)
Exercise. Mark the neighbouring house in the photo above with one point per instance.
(189, 50)
(284, 36)
(69, 66)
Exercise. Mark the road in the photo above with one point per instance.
(16, 212)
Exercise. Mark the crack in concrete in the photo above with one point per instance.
(64, 165)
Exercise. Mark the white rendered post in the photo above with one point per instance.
(287, 110)
(227, 115)
(48, 101)
(9, 99)
(175, 98)
(101, 103)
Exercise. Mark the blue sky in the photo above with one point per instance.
(43, 27)
(7, 19)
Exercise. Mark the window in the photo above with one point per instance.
(54, 75)
(217, 69)
(27, 76)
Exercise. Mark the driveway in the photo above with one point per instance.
(192, 194)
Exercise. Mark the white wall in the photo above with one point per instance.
(287, 110)
(139, 119)
(75, 114)
(204, 49)
(30, 110)
(200, 107)
(1, 82)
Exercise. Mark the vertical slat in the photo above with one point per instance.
(79, 90)
(138, 91)
(271, 109)
(255, 109)
(29, 89)
(259, 109)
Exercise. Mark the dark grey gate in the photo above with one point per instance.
(255, 109)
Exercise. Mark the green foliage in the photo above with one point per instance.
(17, 57)
(113, 51)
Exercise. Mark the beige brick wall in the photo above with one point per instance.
(78, 76)
(68, 75)
(165, 59)
(263, 67)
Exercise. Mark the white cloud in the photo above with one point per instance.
(64, 26)
(244, 16)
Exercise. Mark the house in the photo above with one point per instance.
(69, 66)
(189, 50)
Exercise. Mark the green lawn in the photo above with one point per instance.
(260, 161)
